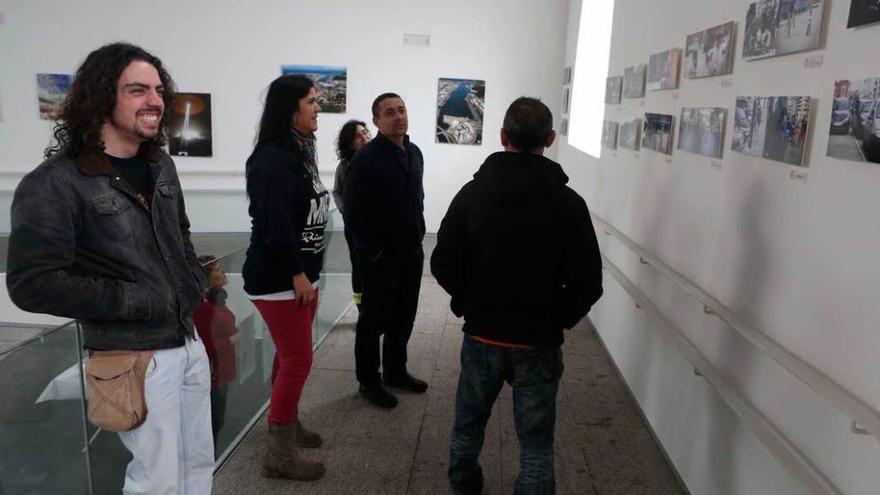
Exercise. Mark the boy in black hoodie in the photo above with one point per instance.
(518, 254)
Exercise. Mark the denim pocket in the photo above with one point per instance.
(537, 367)
(112, 210)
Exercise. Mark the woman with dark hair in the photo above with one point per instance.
(352, 136)
(288, 209)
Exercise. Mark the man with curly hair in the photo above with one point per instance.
(100, 234)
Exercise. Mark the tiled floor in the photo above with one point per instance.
(602, 445)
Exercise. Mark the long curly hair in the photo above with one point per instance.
(92, 98)
(344, 143)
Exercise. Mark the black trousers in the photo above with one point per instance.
(390, 286)
(355, 273)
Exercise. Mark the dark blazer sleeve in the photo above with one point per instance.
(42, 247)
(271, 186)
(582, 281)
(359, 207)
(448, 258)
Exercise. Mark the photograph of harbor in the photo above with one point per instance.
(710, 52)
(701, 130)
(51, 91)
(189, 125)
(773, 127)
(460, 104)
(855, 120)
(609, 134)
(628, 137)
(657, 132)
(663, 69)
(634, 81)
(779, 27)
(331, 82)
(613, 86)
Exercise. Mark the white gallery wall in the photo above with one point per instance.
(794, 257)
(232, 50)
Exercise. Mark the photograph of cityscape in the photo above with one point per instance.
(657, 132)
(609, 134)
(701, 130)
(332, 83)
(710, 52)
(772, 127)
(855, 120)
(51, 91)
(634, 81)
(863, 12)
(460, 104)
(628, 137)
(663, 69)
(613, 86)
(189, 125)
(779, 27)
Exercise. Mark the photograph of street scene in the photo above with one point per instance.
(189, 125)
(460, 104)
(855, 120)
(332, 83)
(710, 52)
(663, 69)
(628, 137)
(772, 127)
(613, 86)
(779, 27)
(634, 81)
(701, 130)
(657, 132)
(863, 12)
(51, 91)
(609, 134)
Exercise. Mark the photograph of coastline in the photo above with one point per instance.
(628, 137)
(332, 83)
(51, 91)
(609, 134)
(657, 132)
(863, 12)
(460, 104)
(613, 86)
(855, 120)
(663, 70)
(710, 53)
(189, 125)
(701, 130)
(773, 127)
(780, 27)
(634, 81)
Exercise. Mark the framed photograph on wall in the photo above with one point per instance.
(663, 70)
(657, 132)
(566, 75)
(189, 130)
(863, 12)
(779, 27)
(332, 83)
(854, 133)
(710, 53)
(629, 134)
(52, 89)
(460, 111)
(566, 98)
(634, 81)
(701, 130)
(609, 134)
(772, 127)
(613, 86)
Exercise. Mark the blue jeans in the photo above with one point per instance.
(173, 451)
(534, 376)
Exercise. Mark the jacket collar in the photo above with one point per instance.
(387, 142)
(94, 162)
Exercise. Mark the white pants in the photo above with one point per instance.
(174, 449)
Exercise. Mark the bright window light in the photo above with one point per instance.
(590, 71)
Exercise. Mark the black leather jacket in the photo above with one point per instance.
(84, 246)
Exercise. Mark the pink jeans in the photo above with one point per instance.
(291, 327)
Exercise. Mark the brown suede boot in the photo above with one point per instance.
(283, 461)
(306, 439)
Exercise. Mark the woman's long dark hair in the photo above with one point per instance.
(92, 98)
(282, 101)
(345, 142)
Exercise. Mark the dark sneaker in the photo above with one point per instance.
(406, 382)
(378, 395)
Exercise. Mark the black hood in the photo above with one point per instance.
(513, 176)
